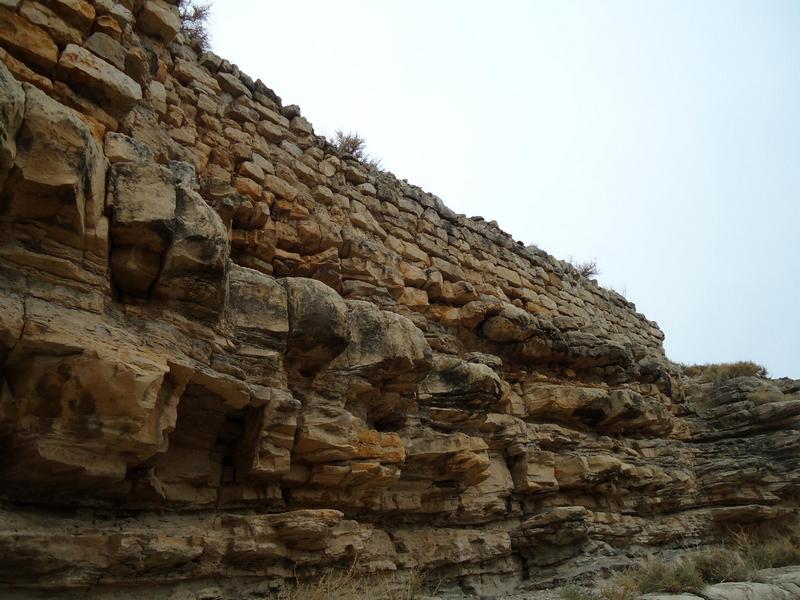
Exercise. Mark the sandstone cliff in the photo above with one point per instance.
(230, 354)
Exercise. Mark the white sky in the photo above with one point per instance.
(661, 137)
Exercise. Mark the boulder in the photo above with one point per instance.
(454, 383)
(746, 591)
(258, 308)
(382, 346)
(194, 266)
(318, 324)
(512, 324)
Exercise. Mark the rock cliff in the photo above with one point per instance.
(230, 354)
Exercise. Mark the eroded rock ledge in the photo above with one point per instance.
(230, 354)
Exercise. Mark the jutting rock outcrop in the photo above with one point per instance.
(231, 354)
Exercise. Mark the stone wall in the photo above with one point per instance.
(230, 353)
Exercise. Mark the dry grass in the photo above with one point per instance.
(716, 565)
(765, 554)
(347, 584)
(653, 575)
(736, 561)
(722, 371)
(575, 592)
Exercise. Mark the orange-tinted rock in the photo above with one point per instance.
(27, 41)
(62, 32)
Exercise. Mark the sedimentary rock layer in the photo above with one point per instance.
(229, 352)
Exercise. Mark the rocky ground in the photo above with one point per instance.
(229, 352)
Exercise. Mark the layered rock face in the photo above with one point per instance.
(230, 354)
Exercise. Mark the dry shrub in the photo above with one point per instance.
(352, 144)
(194, 22)
(722, 371)
(587, 269)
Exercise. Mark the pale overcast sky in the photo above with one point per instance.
(660, 137)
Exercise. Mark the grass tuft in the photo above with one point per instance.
(722, 371)
(737, 561)
(574, 592)
(765, 554)
(340, 584)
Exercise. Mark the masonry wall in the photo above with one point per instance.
(230, 353)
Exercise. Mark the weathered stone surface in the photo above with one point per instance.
(279, 187)
(670, 597)
(122, 148)
(235, 355)
(112, 88)
(318, 323)
(512, 324)
(258, 308)
(107, 48)
(79, 13)
(746, 590)
(58, 177)
(143, 199)
(26, 40)
(786, 578)
(61, 31)
(160, 19)
(23, 73)
(232, 85)
(66, 386)
(12, 107)
(194, 266)
(193, 74)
